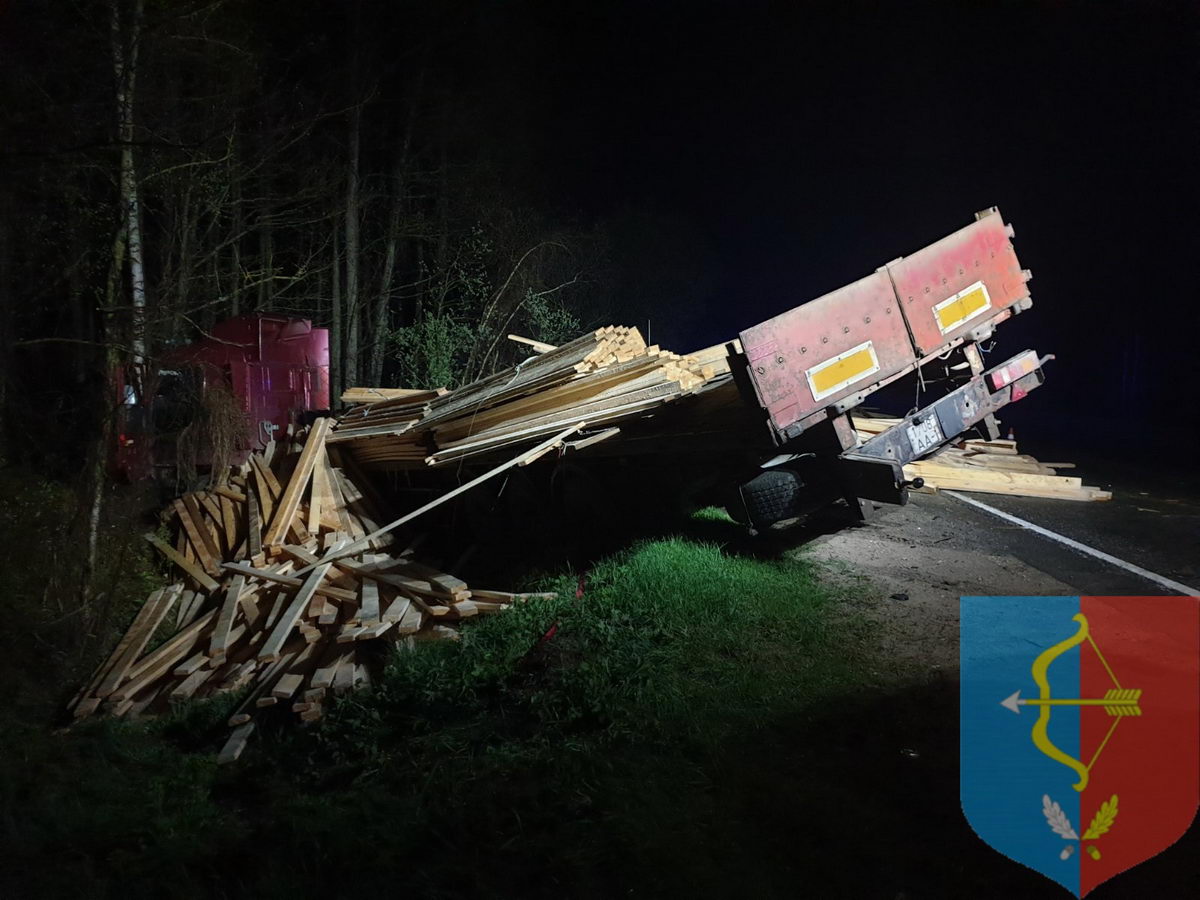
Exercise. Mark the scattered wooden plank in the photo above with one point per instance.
(236, 744)
(161, 660)
(286, 686)
(195, 572)
(229, 493)
(287, 622)
(289, 503)
(262, 488)
(190, 665)
(274, 488)
(375, 395)
(368, 604)
(137, 637)
(538, 346)
(198, 535)
(293, 582)
(186, 688)
(218, 641)
(253, 526)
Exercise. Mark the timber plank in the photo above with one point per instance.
(287, 621)
(290, 581)
(236, 745)
(198, 535)
(159, 604)
(289, 503)
(195, 572)
(218, 641)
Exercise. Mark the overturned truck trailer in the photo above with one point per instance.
(763, 424)
(810, 367)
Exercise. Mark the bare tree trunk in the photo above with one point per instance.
(378, 343)
(125, 54)
(352, 260)
(81, 298)
(266, 261)
(235, 260)
(184, 280)
(5, 331)
(397, 215)
(109, 402)
(335, 325)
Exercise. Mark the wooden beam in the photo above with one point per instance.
(286, 686)
(117, 654)
(291, 581)
(198, 535)
(253, 526)
(539, 346)
(376, 395)
(138, 636)
(274, 488)
(236, 744)
(229, 522)
(289, 503)
(287, 622)
(194, 571)
(266, 500)
(320, 498)
(218, 641)
(156, 664)
(368, 604)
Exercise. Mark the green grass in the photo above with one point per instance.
(503, 765)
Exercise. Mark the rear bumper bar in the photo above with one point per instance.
(875, 469)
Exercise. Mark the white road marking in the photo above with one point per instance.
(1082, 548)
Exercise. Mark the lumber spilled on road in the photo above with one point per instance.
(988, 467)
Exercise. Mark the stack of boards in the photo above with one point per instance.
(605, 378)
(256, 609)
(989, 467)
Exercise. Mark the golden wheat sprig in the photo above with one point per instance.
(1103, 820)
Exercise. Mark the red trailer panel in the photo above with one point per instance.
(952, 287)
(842, 343)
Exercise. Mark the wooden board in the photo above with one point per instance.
(289, 503)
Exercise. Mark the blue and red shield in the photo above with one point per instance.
(1080, 729)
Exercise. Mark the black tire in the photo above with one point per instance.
(773, 496)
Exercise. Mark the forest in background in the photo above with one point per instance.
(368, 166)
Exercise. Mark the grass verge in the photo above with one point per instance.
(580, 746)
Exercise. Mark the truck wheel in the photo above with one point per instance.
(773, 496)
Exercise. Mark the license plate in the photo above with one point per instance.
(925, 436)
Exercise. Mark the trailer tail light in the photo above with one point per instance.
(1012, 370)
(124, 440)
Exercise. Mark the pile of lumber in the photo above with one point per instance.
(258, 610)
(989, 467)
(605, 378)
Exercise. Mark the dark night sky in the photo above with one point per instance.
(804, 144)
(784, 149)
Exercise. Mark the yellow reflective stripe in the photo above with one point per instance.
(958, 311)
(834, 375)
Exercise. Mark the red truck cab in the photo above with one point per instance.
(276, 368)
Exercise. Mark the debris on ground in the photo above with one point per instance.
(989, 467)
(283, 591)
